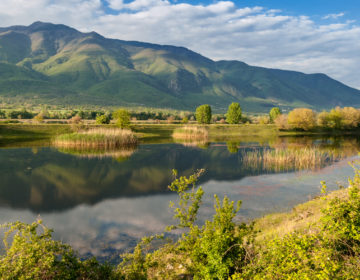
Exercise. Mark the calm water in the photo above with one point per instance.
(101, 204)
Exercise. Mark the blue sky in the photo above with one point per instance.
(308, 36)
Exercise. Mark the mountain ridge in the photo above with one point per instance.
(56, 64)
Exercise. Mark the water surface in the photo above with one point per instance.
(102, 203)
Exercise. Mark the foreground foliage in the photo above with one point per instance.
(34, 255)
(326, 248)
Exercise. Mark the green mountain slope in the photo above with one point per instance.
(56, 64)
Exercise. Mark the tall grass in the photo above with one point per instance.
(191, 133)
(283, 159)
(97, 138)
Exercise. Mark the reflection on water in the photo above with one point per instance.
(118, 154)
(102, 201)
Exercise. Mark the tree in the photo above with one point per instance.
(274, 113)
(39, 118)
(350, 117)
(281, 122)
(233, 115)
(323, 119)
(203, 114)
(122, 118)
(302, 118)
(102, 119)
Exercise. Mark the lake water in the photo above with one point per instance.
(103, 203)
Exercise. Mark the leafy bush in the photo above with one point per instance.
(34, 255)
(213, 251)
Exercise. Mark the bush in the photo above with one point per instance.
(203, 114)
(102, 119)
(122, 118)
(302, 118)
(34, 255)
(213, 251)
(233, 114)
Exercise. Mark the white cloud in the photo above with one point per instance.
(220, 30)
(334, 16)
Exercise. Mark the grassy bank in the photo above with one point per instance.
(26, 132)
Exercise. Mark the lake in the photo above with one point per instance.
(102, 203)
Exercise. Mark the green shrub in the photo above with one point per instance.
(34, 255)
(213, 251)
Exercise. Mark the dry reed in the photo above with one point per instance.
(191, 133)
(97, 138)
(288, 159)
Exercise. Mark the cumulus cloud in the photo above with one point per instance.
(220, 30)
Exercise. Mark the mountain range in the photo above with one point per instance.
(46, 63)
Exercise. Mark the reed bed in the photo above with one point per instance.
(191, 133)
(289, 159)
(97, 138)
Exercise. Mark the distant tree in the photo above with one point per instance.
(350, 117)
(323, 119)
(302, 118)
(233, 115)
(122, 118)
(335, 118)
(39, 118)
(263, 119)
(2, 114)
(203, 114)
(185, 120)
(102, 119)
(274, 113)
(75, 120)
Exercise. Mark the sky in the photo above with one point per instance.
(317, 36)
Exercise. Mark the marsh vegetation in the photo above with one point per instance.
(97, 138)
(192, 132)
